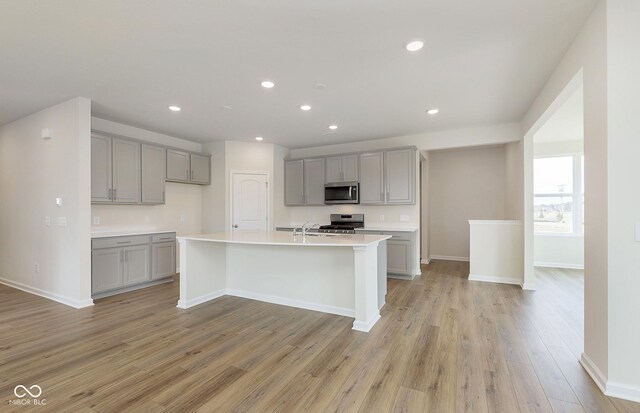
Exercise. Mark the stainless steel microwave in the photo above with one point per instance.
(342, 193)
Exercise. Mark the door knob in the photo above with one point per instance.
(235, 225)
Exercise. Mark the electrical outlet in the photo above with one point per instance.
(381, 218)
(404, 218)
(47, 221)
(96, 220)
(183, 218)
(313, 217)
(36, 268)
(147, 219)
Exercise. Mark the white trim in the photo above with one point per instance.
(71, 302)
(366, 327)
(623, 391)
(495, 279)
(528, 286)
(448, 258)
(267, 176)
(558, 265)
(494, 222)
(425, 261)
(184, 304)
(596, 374)
(346, 312)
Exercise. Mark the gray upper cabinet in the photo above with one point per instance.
(178, 166)
(200, 169)
(342, 168)
(188, 167)
(314, 181)
(400, 174)
(294, 182)
(154, 160)
(372, 190)
(126, 171)
(100, 169)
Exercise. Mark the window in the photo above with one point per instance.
(558, 206)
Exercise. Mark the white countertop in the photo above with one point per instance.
(287, 238)
(396, 227)
(113, 232)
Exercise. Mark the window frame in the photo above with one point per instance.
(577, 195)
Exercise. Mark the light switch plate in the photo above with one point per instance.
(62, 221)
(47, 221)
(381, 218)
(404, 218)
(638, 231)
(59, 202)
(96, 220)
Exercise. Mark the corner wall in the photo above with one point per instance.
(33, 173)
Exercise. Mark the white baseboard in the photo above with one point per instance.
(593, 371)
(184, 304)
(494, 279)
(49, 295)
(347, 312)
(623, 391)
(558, 265)
(609, 388)
(367, 326)
(425, 260)
(528, 286)
(448, 258)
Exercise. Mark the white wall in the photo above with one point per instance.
(623, 148)
(514, 175)
(33, 173)
(182, 211)
(213, 196)
(465, 184)
(559, 251)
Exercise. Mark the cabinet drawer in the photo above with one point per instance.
(111, 242)
(168, 237)
(399, 235)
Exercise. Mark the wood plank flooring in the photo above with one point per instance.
(444, 344)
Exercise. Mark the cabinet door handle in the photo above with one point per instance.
(192, 174)
(115, 194)
(126, 256)
(121, 255)
(123, 242)
(187, 173)
(163, 195)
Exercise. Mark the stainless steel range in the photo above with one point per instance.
(343, 224)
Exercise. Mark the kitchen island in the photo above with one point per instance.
(337, 274)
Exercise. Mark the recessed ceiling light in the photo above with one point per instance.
(175, 108)
(267, 84)
(258, 138)
(226, 107)
(320, 86)
(433, 111)
(333, 127)
(305, 107)
(414, 46)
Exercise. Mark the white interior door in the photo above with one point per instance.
(249, 202)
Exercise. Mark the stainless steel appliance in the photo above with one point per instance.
(342, 193)
(343, 224)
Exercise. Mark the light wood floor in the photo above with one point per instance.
(444, 344)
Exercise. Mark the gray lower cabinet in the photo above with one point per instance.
(314, 181)
(120, 264)
(399, 257)
(294, 183)
(163, 260)
(154, 160)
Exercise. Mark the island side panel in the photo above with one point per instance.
(203, 271)
(311, 277)
(382, 273)
(366, 287)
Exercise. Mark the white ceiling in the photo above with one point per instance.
(483, 63)
(566, 124)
